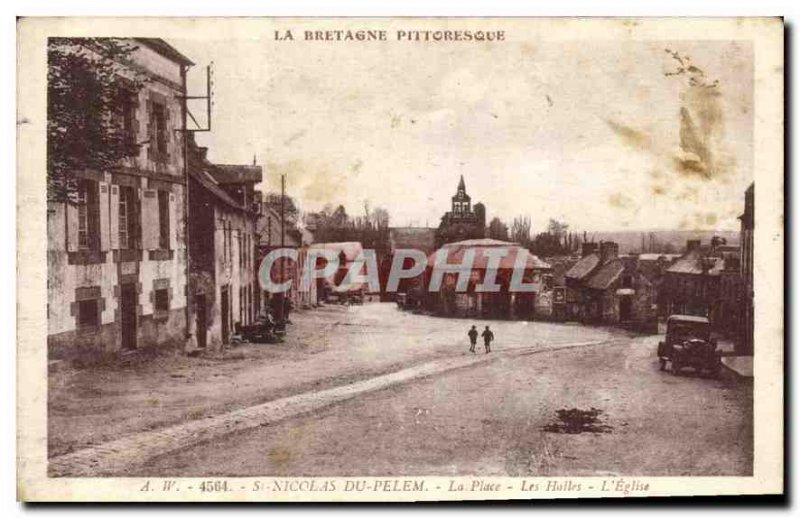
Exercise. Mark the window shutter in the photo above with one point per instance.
(173, 223)
(103, 214)
(136, 118)
(113, 213)
(167, 135)
(150, 228)
(136, 225)
(151, 130)
(72, 227)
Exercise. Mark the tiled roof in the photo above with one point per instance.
(456, 251)
(206, 175)
(606, 275)
(583, 267)
(691, 263)
(233, 173)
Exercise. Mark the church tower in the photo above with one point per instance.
(463, 221)
(461, 200)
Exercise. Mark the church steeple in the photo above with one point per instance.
(461, 200)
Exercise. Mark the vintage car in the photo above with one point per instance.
(688, 344)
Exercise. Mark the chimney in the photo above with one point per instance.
(588, 248)
(692, 244)
(203, 153)
(608, 250)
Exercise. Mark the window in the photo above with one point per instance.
(128, 104)
(161, 300)
(88, 216)
(163, 220)
(127, 218)
(240, 243)
(88, 313)
(160, 134)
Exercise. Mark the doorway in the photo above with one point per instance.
(625, 309)
(200, 320)
(127, 310)
(225, 314)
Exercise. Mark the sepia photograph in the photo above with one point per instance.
(400, 259)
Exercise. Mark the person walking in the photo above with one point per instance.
(488, 336)
(473, 338)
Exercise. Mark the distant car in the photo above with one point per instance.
(688, 343)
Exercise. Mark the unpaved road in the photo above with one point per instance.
(489, 419)
(326, 347)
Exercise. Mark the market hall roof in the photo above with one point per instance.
(456, 251)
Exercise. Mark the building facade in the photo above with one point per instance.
(117, 257)
(705, 281)
(463, 221)
(604, 288)
(222, 247)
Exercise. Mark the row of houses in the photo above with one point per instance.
(601, 286)
(162, 251)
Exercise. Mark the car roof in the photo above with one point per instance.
(687, 318)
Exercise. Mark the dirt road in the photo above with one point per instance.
(326, 347)
(491, 419)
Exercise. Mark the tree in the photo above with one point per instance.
(521, 230)
(87, 81)
(556, 241)
(273, 201)
(498, 230)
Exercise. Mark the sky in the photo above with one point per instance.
(589, 132)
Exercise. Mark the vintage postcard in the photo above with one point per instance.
(399, 259)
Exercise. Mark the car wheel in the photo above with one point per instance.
(675, 368)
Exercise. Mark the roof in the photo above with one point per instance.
(656, 257)
(166, 50)
(691, 263)
(234, 173)
(204, 172)
(583, 267)
(208, 182)
(351, 249)
(687, 318)
(456, 251)
(606, 275)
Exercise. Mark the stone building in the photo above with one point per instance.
(222, 246)
(604, 288)
(117, 257)
(294, 236)
(463, 221)
(705, 281)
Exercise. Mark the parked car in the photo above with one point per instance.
(688, 343)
